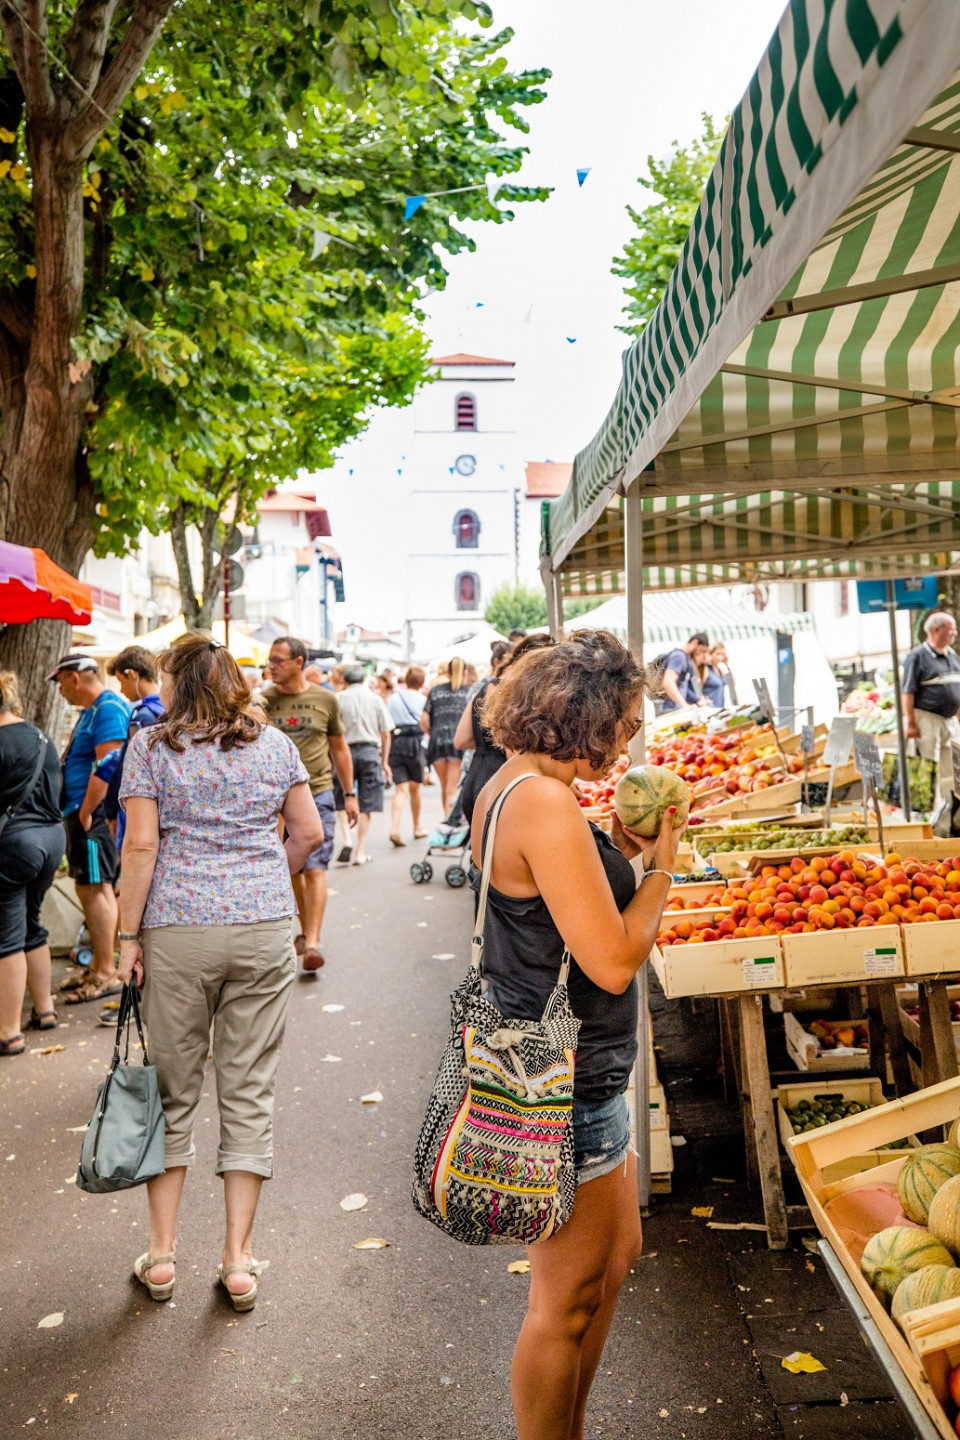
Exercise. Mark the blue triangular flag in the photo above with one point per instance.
(571, 339)
(412, 204)
(479, 305)
(582, 175)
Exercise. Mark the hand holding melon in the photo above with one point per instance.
(645, 794)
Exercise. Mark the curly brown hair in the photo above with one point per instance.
(567, 700)
(210, 701)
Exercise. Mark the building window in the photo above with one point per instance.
(466, 529)
(467, 590)
(465, 412)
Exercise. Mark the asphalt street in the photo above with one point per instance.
(411, 1341)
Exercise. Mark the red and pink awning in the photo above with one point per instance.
(33, 588)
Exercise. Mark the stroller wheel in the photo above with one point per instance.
(416, 873)
(427, 869)
(455, 876)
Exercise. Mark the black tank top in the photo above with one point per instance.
(522, 953)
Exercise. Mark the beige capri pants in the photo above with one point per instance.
(237, 978)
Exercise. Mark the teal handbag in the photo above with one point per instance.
(124, 1142)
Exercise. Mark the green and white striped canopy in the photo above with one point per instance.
(808, 338)
(669, 619)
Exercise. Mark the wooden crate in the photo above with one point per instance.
(933, 1335)
(719, 967)
(932, 949)
(787, 794)
(805, 1053)
(827, 957)
(696, 890)
(704, 913)
(906, 996)
(661, 1153)
(865, 1090)
(813, 1153)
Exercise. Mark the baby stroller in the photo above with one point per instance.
(452, 834)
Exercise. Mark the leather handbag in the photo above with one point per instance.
(494, 1162)
(124, 1142)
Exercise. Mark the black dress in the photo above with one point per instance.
(487, 757)
(444, 708)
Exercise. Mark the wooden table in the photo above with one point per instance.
(745, 1047)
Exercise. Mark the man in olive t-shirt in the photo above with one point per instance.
(310, 715)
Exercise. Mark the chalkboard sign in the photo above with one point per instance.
(839, 741)
(808, 739)
(955, 753)
(867, 758)
(764, 701)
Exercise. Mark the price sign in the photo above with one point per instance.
(808, 739)
(955, 753)
(867, 758)
(839, 741)
(764, 701)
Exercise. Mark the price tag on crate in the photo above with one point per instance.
(808, 739)
(881, 961)
(867, 758)
(759, 970)
(764, 701)
(839, 740)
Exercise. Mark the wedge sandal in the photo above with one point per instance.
(248, 1299)
(142, 1268)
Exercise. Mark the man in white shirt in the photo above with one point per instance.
(367, 728)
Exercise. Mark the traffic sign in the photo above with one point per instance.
(919, 593)
(229, 539)
(233, 575)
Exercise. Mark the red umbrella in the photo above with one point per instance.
(33, 588)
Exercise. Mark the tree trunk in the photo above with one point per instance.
(197, 609)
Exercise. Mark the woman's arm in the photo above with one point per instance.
(141, 845)
(303, 824)
(463, 739)
(555, 843)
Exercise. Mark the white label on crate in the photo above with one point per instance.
(760, 970)
(882, 961)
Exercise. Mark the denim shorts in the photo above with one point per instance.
(601, 1136)
(320, 858)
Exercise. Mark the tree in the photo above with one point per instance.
(649, 258)
(204, 263)
(582, 605)
(516, 607)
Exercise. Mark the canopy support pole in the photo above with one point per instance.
(633, 544)
(891, 608)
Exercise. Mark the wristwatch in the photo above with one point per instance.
(350, 794)
(122, 936)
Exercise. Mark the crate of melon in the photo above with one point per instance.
(880, 1246)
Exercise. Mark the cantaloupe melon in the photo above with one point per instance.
(893, 1254)
(953, 1136)
(946, 1216)
(644, 795)
(921, 1176)
(926, 1287)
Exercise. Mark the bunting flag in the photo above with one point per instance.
(582, 175)
(571, 339)
(412, 205)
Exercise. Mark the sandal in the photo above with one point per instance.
(248, 1298)
(396, 840)
(142, 1268)
(43, 1020)
(14, 1046)
(91, 990)
(364, 860)
(312, 959)
(420, 834)
(344, 856)
(73, 982)
(300, 944)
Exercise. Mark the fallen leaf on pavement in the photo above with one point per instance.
(663, 1414)
(373, 1098)
(329, 1059)
(811, 1267)
(74, 1395)
(844, 1399)
(702, 1212)
(331, 1008)
(48, 1050)
(800, 1363)
(371, 1244)
(50, 1321)
(77, 1129)
(740, 1225)
(721, 1180)
(353, 1202)
(519, 1267)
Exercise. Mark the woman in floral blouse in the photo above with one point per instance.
(205, 910)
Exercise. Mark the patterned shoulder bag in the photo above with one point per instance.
(494, 1160)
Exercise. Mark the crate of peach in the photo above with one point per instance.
(895, 1229)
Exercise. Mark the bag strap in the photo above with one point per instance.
(129, 1010)
(31, 784)
(476, 948)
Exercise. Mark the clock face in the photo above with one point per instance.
(465, 464)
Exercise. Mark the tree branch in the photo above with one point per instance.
(211, 569)
(141, 35)
(86, 42)
(28, 53)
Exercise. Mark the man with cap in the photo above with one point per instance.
(367, 728)
(91, 756)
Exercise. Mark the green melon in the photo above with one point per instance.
(953, 1137)
(926, 1287)
(944, 1219)
(921, 1176)
(644, 795)
(893, 1254)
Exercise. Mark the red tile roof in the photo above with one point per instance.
(462, 359)
(287, 502)
(546, 479)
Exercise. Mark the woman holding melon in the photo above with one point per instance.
(558, 882)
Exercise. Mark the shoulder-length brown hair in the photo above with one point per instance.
(210, 701)
(567, 700)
